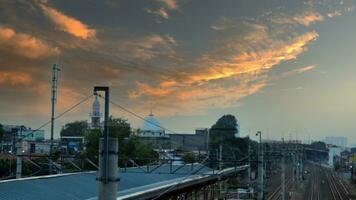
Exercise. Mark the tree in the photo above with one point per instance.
(119, 128)
(92, 144)
(135, 149)
(77, 128)
(233, 148)
(318, 145)
(223, 133)
(2, 133)
(189, 157)
(130, 147)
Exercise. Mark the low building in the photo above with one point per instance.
(38, 147)
(14, 133)
(337, 141)
(334, 155)
(190, 142)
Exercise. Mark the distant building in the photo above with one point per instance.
(14, 133)
(337, 141)
(334, 154)
(190, 142)
(353, 150)
(73, 143)
(151, 128)
(152, 133)
(95, 115)
(38, 147)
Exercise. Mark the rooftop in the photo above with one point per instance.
(84, 185)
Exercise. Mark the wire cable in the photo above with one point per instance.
(137, 115)
(58, 116)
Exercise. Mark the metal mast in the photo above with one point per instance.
(283, 175)
(55, 70)
(260, 167)
(249, 162)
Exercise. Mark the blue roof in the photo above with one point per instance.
(84, 185)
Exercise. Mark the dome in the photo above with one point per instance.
(151, 124)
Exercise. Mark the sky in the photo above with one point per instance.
(284, 67)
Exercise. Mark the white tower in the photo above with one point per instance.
(95, 115)
(237, 133)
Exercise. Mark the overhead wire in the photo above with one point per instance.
(58, 116)
(159, 126)
(138, 116)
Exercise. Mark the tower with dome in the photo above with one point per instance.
(151, 128)
(95, 115)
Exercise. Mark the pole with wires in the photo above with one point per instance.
(220, 168)
(260, 167)
(18, 157)
(55, 70)
(108, 156)
(283, 173)
(249, 162)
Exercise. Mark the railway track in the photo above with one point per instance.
(314, 185)
(337, 188)
(276, 194)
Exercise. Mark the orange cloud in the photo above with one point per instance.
(148, 47)
(15, 78)
(68, 24)
(160, 12)
(235, 69)
(305, 19)
(305, 69)
(334, 14)
(254, 61)
(170, 4)
(194, 100)
(24, 44)
(223, 24)
(299, 70)
(308, 18)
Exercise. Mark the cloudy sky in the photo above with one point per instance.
(285, 67)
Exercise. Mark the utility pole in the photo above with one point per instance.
(108, 156)
(293, 169)
(297, 157)
(301, 162)
(55, 70)
(220, 168)
(283, 169)
(207, 142)
(249, 162)
(260, 167)
(18, 159)
(220, 157)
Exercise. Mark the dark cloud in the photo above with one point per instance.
(122, 46)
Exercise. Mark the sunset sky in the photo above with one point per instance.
(285, 67)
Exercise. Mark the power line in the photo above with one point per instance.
(58, 116)
(138, 116)
(159, 126)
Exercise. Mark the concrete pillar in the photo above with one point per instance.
(108, 190)
(18, 160)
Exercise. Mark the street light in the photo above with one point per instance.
(260, 167)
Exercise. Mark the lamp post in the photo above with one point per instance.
(260, 167)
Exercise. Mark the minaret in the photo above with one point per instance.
(95, 115)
